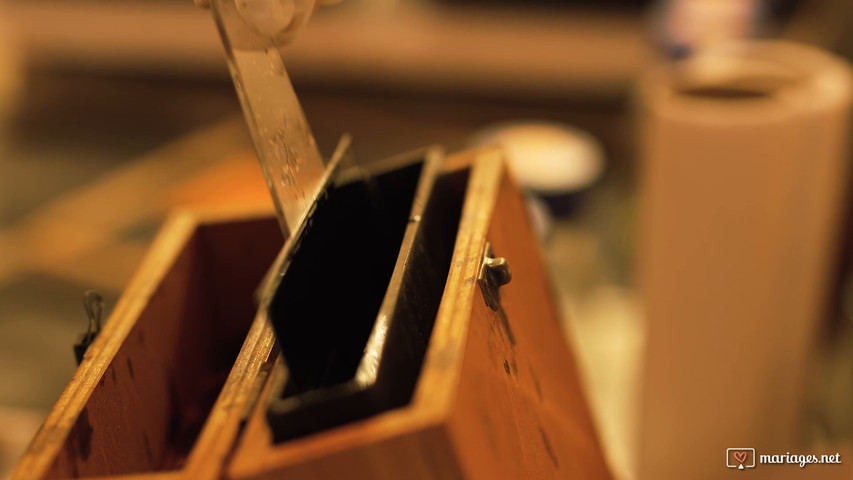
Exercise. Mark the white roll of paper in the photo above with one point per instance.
(745, 170)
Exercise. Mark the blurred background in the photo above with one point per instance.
(114, 113)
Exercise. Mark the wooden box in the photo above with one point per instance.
(497, 395)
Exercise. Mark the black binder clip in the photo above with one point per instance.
(94, 305)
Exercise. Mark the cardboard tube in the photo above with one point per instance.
(744, 176)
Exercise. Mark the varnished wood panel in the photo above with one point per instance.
(147, 385)
(498, 396)
(521, 413)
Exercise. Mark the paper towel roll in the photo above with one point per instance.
(744, 166)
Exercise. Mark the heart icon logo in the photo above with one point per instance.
(740, 458)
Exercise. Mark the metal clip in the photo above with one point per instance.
(494, 272)
(94, 305)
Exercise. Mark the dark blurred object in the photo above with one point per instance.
(636, 5)
(774, 9)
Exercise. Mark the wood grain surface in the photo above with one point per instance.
(498, 396)
(157, 377)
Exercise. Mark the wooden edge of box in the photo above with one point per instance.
(216, 440)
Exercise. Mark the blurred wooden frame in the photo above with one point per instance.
(498, 395)
(497, 51)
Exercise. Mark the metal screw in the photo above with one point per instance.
(494, 273)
